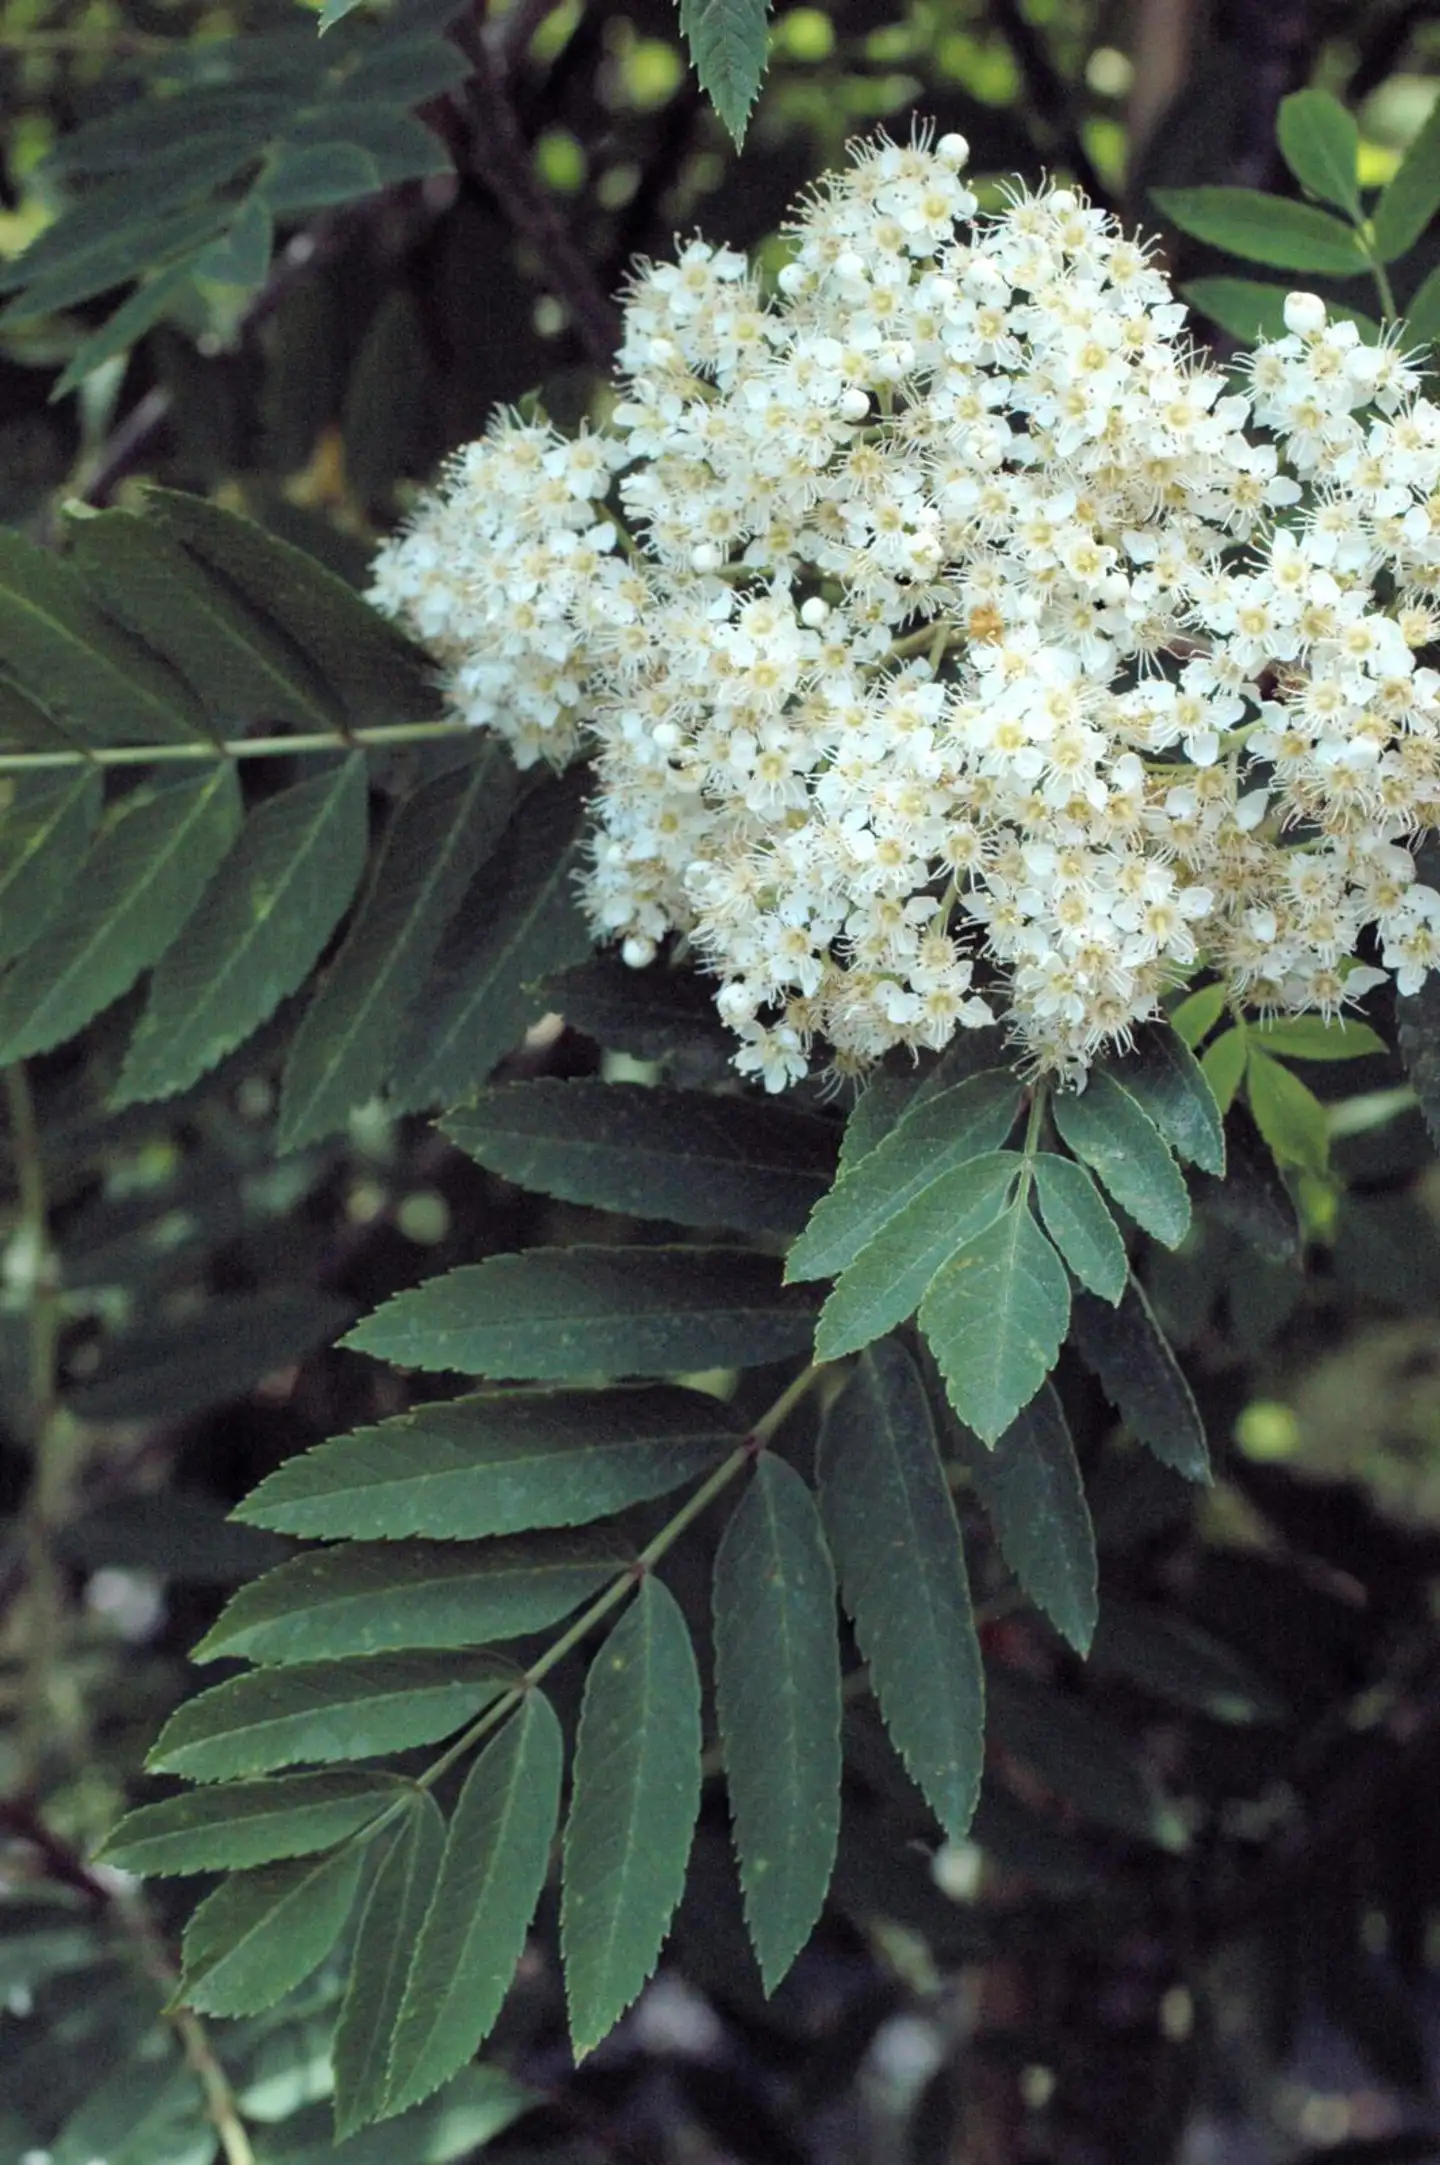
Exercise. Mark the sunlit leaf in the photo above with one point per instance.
(995, 1317)
(1264, 228)
(1075, 1216)
(1320, 142)
(888, 1278)
(1411, 196)
(1104, 1125)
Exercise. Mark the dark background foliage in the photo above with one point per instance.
(1199, 1918)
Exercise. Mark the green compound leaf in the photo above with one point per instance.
(727, 41)
(324, 1710)
(259, 929)
(1320, 143)
(634, 1800)
(1411, 197)
(1104, 1125)
(1167, 1082)
(245, 1823)
(520, 921)
(1129, 1352)
(995, 1317)
(432, 849)
(777, 1697)
(501, 1462)
(262, 1932)
(1032, 1492)
(963, 1122)
(241, 669)
(896, 1543)
(368, 1599)
(888, 1278)
(96, 679)
(495, 1863)
(144, 874)
(1288, 1115)
(390, 1925)
(557, 1312)
(377, 676)
(1264, 228)
(684, 1155)
(1075, 1216)
(44, 831)
(1311, 1037)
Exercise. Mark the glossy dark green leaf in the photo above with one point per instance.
(995, 1317)
(242, 670)
(520, 922)
(557, 1312)
(1128, 1351)
(495, 1863)
(1032, 1492)
(264, 920)
(1411, 196)
(145, 871)
(243, 1823)
(367, 1598)
(1264, 228)
(261, 1933)
(1168, 1084)
(1104, 1125)
(377, 676)
(1288, 1114)
(1077, 1219)
(432, 849)
(634, 1798)
(1078, 1756)
(323, 1711)
(727, 41)
(896, 1543)
(888, 1279)
(1320, 143)
(965, 1121)
(685, 1155)
(44, 831)
(500, 1462)
(878, 1109)
(1179, 1662)
(390, 1926)
(162, 1371)
(777, 1698)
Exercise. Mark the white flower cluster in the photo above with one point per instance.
(950, 642)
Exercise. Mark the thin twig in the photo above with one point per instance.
(497, 153)
(1049, 97)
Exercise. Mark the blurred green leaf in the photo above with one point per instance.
(1312, 1037)
(1288, 1114)
(1264, 228)
(1320, 142)
(1411, 197)
(163, 1371)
